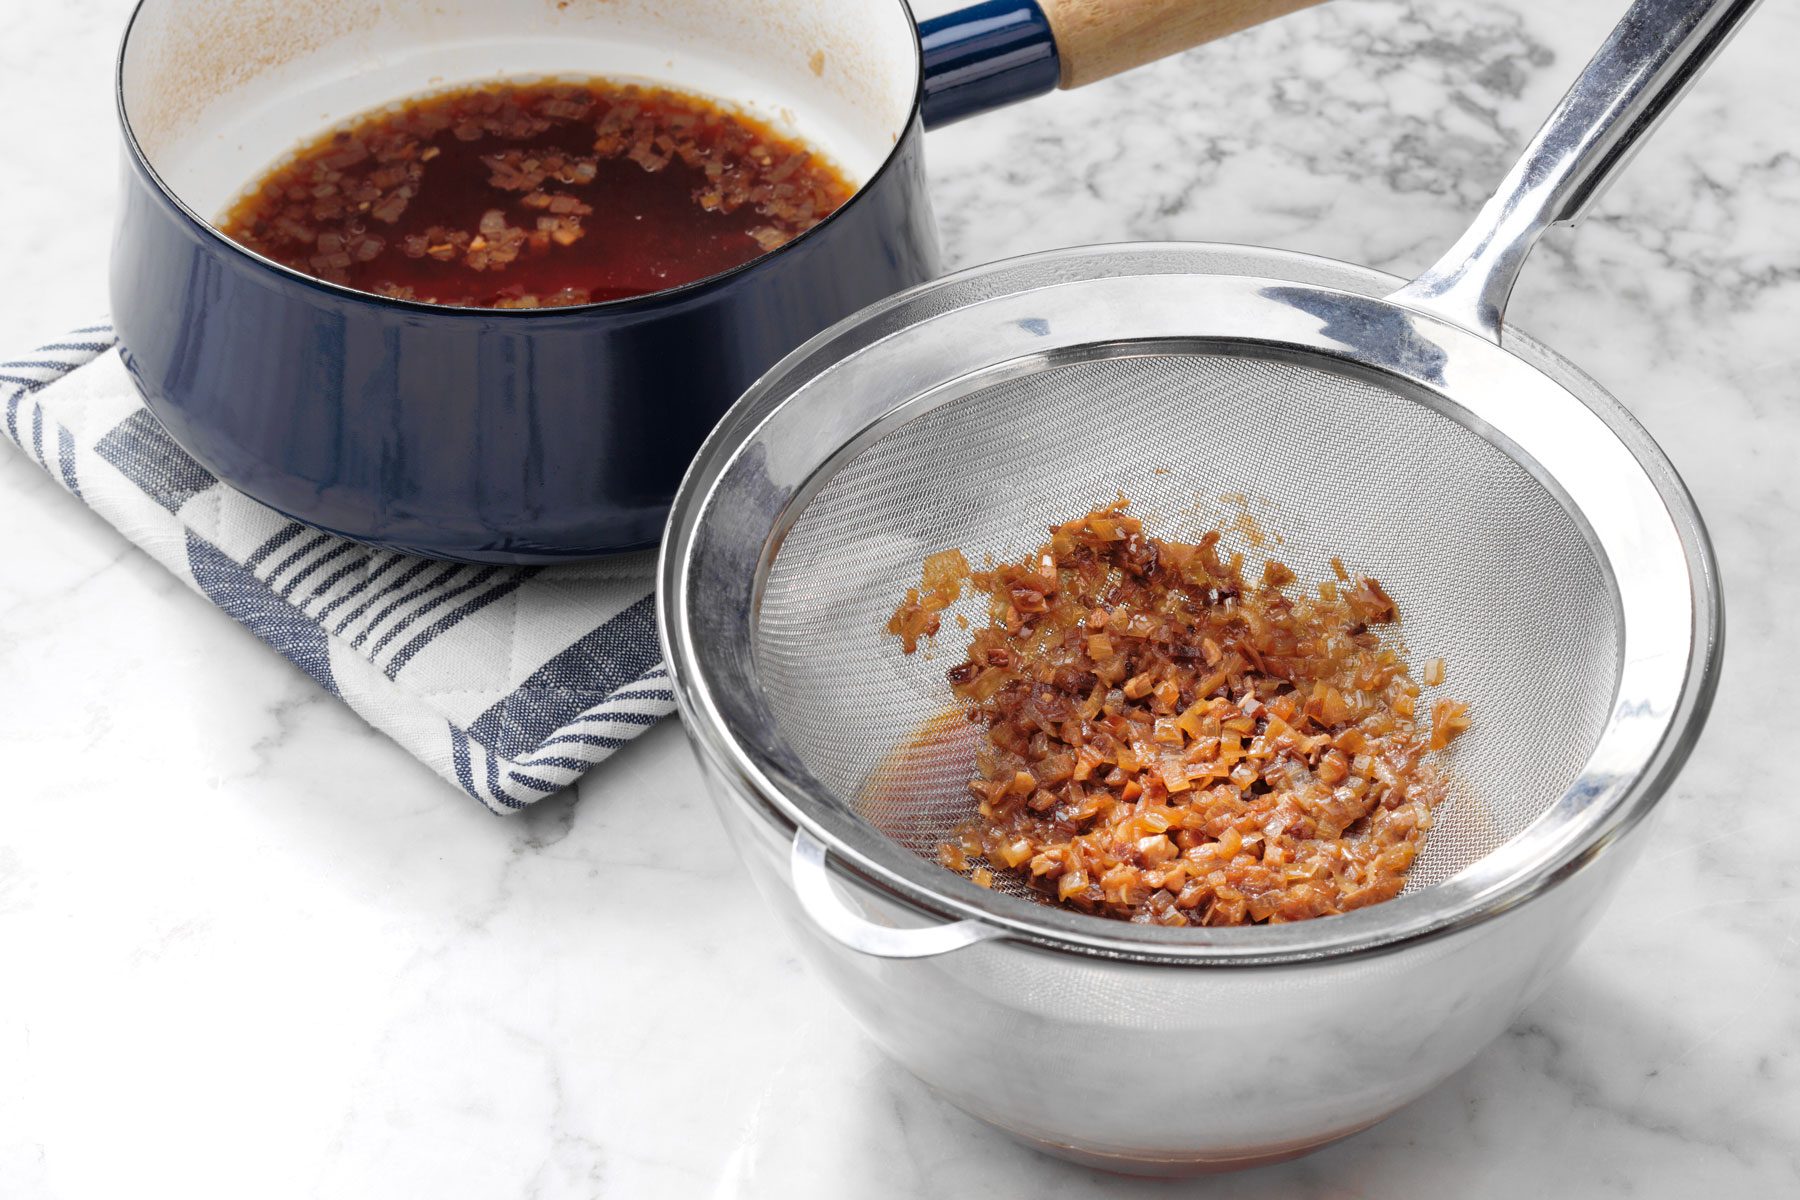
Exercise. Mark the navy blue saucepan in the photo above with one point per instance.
(535, 436)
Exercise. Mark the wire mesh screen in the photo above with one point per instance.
(1489, 569)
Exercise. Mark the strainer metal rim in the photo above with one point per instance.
(758, 773)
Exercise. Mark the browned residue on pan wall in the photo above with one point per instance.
(223, 44)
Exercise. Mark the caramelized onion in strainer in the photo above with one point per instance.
(1169, 743)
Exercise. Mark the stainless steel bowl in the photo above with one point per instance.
(1534, 534)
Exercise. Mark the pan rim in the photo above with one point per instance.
(205, 231)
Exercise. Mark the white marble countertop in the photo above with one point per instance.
(248, 947)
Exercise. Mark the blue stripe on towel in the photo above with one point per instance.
(332, 580)
(452, 619)
(559, 762)
(65, 459)
(571, 683)
(144, 453)
(493, 782)
(587, 739)
(647, 694)
(620, 718)
(276, 541)
(307, 547)
(431, 585)
(418, 568)
(332, 555)
(387, 561)
(251, 604)
(399, 627)
(459, 757)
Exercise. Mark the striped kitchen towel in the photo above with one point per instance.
(510, 682)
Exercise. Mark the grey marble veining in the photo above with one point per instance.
(249, 947)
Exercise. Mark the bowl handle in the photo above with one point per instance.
(812, 886)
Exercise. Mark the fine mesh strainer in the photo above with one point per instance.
(1341, 466)
(1535, 537)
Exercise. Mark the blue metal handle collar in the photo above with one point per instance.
(986, 56)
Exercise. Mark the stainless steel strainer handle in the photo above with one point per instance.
(812, 886)
(1654, 55)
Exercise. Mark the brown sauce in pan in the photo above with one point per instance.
(526, 195)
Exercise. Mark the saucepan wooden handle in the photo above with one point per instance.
(997, 52)
(1099, 38)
